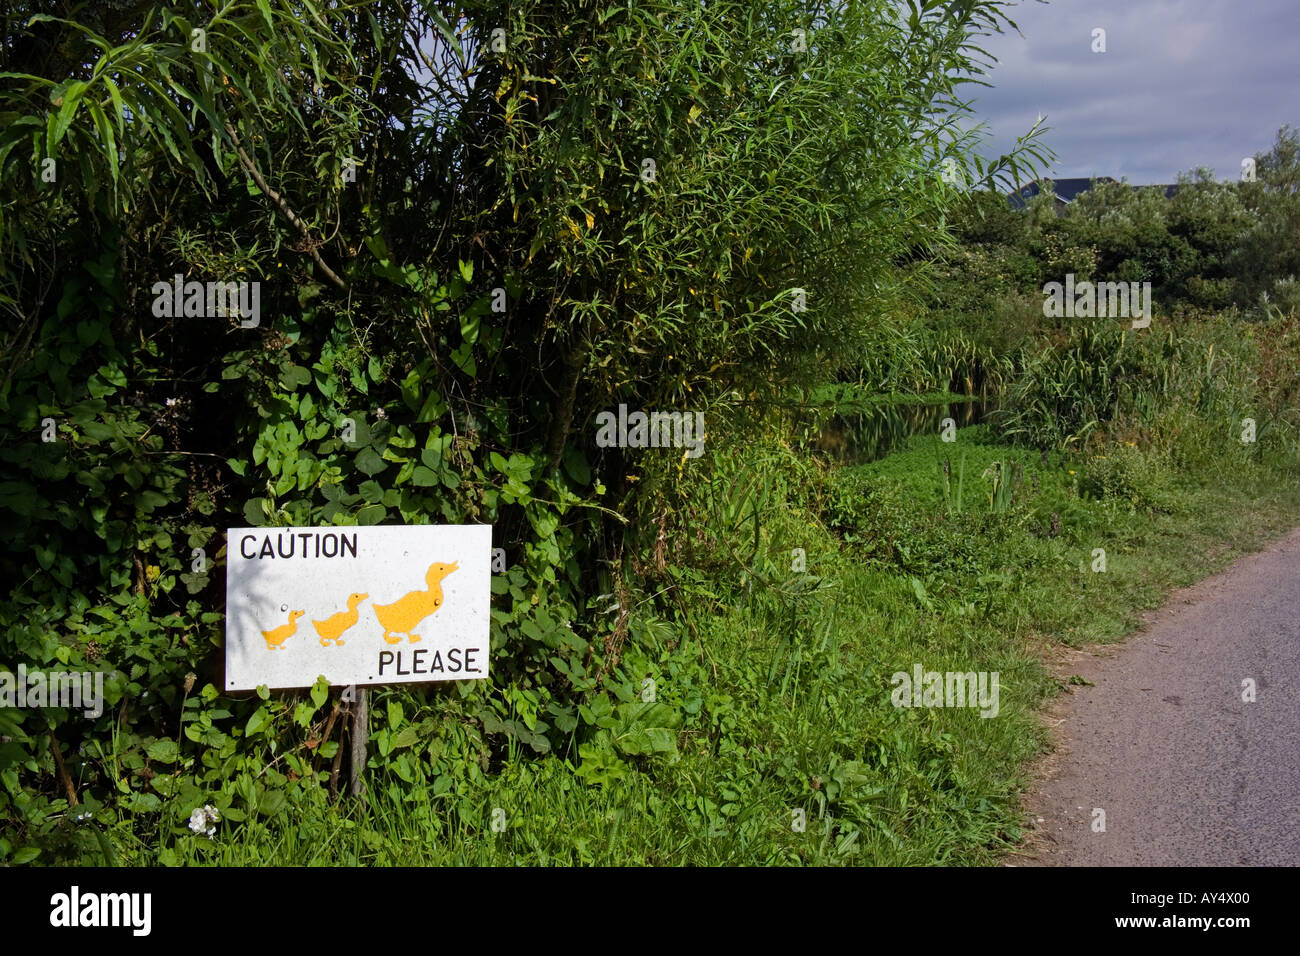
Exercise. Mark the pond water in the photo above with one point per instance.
(869, 434)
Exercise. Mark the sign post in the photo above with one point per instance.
(360, 738)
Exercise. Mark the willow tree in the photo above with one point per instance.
(695, 196)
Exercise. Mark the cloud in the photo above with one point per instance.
(1182, 84)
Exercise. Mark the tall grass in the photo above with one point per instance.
(1183, 390)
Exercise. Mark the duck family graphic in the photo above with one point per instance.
(331, 629)
(398, 619)
(276, 637)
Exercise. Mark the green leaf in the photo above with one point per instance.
(26, 855)
(261, 718)
(292, 376)
(364, 434)
(432, 408)
(271, 802)
(464, 358)
(113, 375)
(119, 109)
(106, 137)
(253, 512)
(163, 751)
(368, 461)
(58, 124)
(647, 740)
(406, 737)
(918, 589)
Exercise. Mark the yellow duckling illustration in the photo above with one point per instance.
(332, 628)
(278, 635)
(406, 612)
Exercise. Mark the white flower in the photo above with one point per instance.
(172, 401)
(203, 820)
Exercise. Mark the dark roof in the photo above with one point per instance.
(1067, 190)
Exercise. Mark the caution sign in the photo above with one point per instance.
(373, 605)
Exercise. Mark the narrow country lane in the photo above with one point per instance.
(1186, 771)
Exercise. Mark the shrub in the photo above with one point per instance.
(1128, 474)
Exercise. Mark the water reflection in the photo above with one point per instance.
(872, 432)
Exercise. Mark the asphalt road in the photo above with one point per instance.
(1188, 773)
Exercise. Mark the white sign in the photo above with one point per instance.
(372, 605)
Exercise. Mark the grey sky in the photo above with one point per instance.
(1183, 83)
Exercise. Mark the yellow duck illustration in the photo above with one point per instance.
(332, 628)
(277, 636)
(406, 612)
